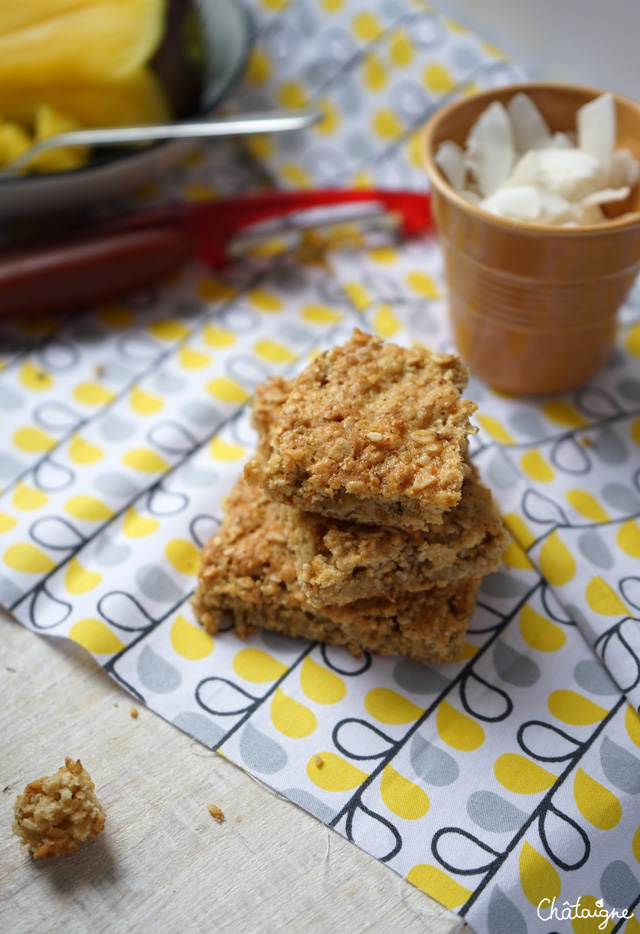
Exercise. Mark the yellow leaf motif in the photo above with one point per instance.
(320, 314)
(515, 557)
(227, 390)
(144, 403)
(374, 75)
(190, 641)
(587, 505)
(273, 352)
(438, 78)
(95, 637)
(628, 538)
(223, 451)
(590, 921)
(78, 580)
(81, 452)
(25, 497)
(335, 773)
(563, 413)
(366, 26)
(183, 555)
(438, 885)
(522, 776)
(401, 796)
(423, 284)
(573, 708)
(401, 49)
(92, 394)
(603, 599)
(595, 802)
(33, 439)
(264, 301)
(216, 336)
(257, 666)
(291, 717)
(192, 359)
(390, 707)
(457, 729)
(519, 529)
(536, 467)
(320, 684)
(28, 559)
(7, 522)
(136, 526)
(88, 508)
(34, 377)
(386, 125)
(169, 330)
(635, 844)
(358, 295)
(385, 322)
(632, 723)
(144, 459)
(495, 429)
(539, 632)
(557, 564)
(539, 879)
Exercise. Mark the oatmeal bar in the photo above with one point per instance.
(248, 569)
(338, 562)
(369, 432)
(58, 812)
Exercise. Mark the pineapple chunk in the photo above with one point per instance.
(95, 41)
(50, 122)
(137, 100)
(14, 140)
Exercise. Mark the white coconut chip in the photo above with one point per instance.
(450, 160)
(490, 152)
(571, 173)
(596, 123)
(530, 130)
(624, 169)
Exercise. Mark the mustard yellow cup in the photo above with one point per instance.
(533, 307)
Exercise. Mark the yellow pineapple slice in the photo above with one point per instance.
(137, 100)
(65, 43)
(14, 140)
(50, 122)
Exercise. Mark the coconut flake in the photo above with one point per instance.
(596, 122)
(490, 152)
(624, 169)
(530, 130)
(450, 160)
(571, 173)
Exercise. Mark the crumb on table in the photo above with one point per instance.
(56, 813)
(133, 713)
(215, 812)
(319, 761)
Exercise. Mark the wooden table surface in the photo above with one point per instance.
(163, 864)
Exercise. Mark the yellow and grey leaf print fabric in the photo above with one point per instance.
(500, 783)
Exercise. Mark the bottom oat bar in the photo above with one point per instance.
(248, 569)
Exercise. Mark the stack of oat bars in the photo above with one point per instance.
(360, 521)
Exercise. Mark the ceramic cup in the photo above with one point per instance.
(533, 307)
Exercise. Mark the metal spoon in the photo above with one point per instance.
(274, 121)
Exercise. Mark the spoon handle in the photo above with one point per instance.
(274, 121)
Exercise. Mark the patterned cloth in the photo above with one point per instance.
(508, 778)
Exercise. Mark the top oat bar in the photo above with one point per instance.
(370, 432)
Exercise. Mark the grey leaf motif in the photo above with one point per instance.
(570, 457)
(56, 534)
(503, 585)
(419, 678)
(51, 477)
(514, 667)
(501, 471)
(155, 584)
(503, 917)
(122, 610)
(358, 739)
(432, 764)
(594, 548)
(261, 753)
(620, 766)
(539, 508)
(591, 675)
(171, 438)
(618, 885)
(157, 674)
(47, 611)
(564, 840)
(545, 742)
(222, 697)
(621, 497)
(373, 833)
(200, 727)
(310, 803)
(609, 447)
(494, 813)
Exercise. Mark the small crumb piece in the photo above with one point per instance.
(319, 761)
(133, 713)
(374, 436)
(98, 370)
(588, 442)
(423, 437)
(215, 812)
(58, 812)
